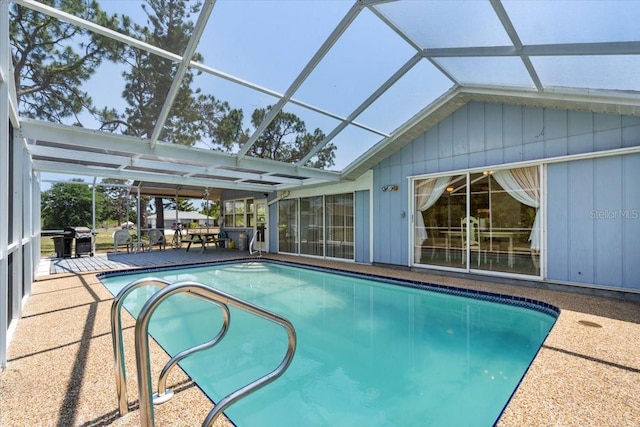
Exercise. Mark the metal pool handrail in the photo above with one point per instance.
(251, 243)
(206, 292)
(163, 394)
(116, 337)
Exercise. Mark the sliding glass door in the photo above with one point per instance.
(339, 226)
(488, 220)
(311, 226)
(318, 226)
(288, 226)
(441, 203)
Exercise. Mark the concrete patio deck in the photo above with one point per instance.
(60, 362)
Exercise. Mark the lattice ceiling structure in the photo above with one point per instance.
(372, 75)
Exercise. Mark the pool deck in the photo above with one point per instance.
(60, 362)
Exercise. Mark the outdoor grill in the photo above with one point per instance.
(63, 243)
(83, 239)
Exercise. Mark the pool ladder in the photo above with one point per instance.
(198, 290)
(252, 244)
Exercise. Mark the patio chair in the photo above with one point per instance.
(473, 236)
(156, 237)
(222, 240)
(122, 238)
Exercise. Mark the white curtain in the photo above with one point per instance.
(523, 184)
(428, 191)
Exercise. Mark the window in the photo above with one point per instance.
(339, 226)
(484, 221)
(238, 213)
(288, 226)
(319, 225)
(250, 213)
(312, 226)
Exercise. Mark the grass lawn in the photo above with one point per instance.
(104, 239)
(104, 242)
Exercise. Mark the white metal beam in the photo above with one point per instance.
(561, 49)
(5, 168)
(70, 156)
(428, 110)
(93, 27)
(594, 100)
(72, 135)
(370, 100)
(56, 167)
(311, 65)
(371, 5)
(515, 39)
(205, 12)
(278, 95)
(63, 16)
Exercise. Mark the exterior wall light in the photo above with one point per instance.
(389, 188)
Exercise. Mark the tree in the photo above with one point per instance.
(183, 205)
(49, 73)
(117, 203)
(211, 209)
(52, 59)
(69, 204)
(286, 139)
(193, 116)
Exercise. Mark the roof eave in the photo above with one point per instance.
(590, 100)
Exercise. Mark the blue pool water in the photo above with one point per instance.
(369, 353)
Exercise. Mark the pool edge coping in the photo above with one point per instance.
(529, 303)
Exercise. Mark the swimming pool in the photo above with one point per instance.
(370, 353)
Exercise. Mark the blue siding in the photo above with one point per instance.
(557, 221)
(486, 134)
(475, 121)
(580, 225)
(630, 131)
(445, 138)
(382, 215)
(631, 224)
(555, 124)
(513, 132)
(459, 135)
(593, 221)
(532, 124)
(608, 233)
(362, 227)
(493, 127)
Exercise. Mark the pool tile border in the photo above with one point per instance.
(526, 303)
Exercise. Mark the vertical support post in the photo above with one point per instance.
(93, 215)
(139, 216)
(4, 179)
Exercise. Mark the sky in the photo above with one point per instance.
(268, 43)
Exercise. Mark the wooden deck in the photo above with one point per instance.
(123, 260)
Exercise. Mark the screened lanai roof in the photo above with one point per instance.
(371, 75)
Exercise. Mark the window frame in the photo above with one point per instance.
(238, 213)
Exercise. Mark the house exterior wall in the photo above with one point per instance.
(362, 226)
(20, 218)
(594, 221)
(482, 135)
(234, 232)
(361, 189)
